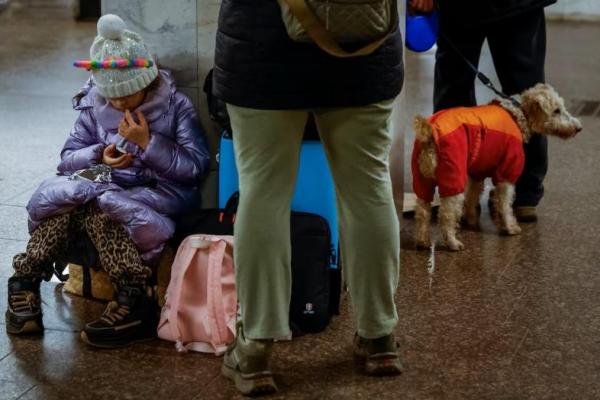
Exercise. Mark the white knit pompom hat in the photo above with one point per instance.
(115, 41)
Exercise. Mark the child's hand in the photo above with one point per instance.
(111, 157)
(134, 132)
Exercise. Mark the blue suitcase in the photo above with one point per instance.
(315, 192)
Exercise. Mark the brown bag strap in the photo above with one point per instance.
(317, 32)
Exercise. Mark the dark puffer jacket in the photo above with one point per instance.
(258, 66)
(470, 13)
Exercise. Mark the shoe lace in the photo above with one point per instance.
(24, 301)
(114, 312)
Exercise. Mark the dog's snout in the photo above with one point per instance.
(578, 129)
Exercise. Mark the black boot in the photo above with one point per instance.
(24, 313)
(132, 317)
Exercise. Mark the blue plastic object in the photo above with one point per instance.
(315, 192)
(422, 31)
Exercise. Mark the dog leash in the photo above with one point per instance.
(480, 75)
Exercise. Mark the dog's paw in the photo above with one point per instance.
(423, 244)
(511, 230)
(455, 245)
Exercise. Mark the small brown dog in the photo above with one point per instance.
(460, 147)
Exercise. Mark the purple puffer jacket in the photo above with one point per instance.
(162, 180)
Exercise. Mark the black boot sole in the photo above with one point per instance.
(29, 327)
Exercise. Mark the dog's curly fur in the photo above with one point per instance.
(542, 111)
(427, 156)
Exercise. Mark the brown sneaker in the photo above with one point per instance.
(525, 214)
(380, 356)
(246, 363)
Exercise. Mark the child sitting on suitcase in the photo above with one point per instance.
(133, 159)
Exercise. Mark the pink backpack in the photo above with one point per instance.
(201, 302)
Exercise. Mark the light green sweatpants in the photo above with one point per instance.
(267, 149)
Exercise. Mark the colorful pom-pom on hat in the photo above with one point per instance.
(111, 27)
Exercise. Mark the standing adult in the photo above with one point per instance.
(271, 84)
(516, 35)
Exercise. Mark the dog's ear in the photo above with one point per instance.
(422, 128)
(540, 98)
(537, 104)
(532, 108)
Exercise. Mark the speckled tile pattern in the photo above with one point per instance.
(8, 248)
(14, 223)
(63, 366)
(507, 318)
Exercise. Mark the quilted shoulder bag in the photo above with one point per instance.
(331, 22)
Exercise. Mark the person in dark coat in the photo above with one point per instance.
(271, 84)
(516, 34)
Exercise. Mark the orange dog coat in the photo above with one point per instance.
(478, 142)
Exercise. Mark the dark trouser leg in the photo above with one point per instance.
(519, 55)
(48, 242)
(454, 83)
(117, 252)
(530, 187)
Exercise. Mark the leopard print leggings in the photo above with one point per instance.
(117, 253)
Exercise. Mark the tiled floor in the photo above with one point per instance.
(508, 318)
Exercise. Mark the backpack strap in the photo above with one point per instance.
(186, 253)
(218, 324)
(317, 32)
